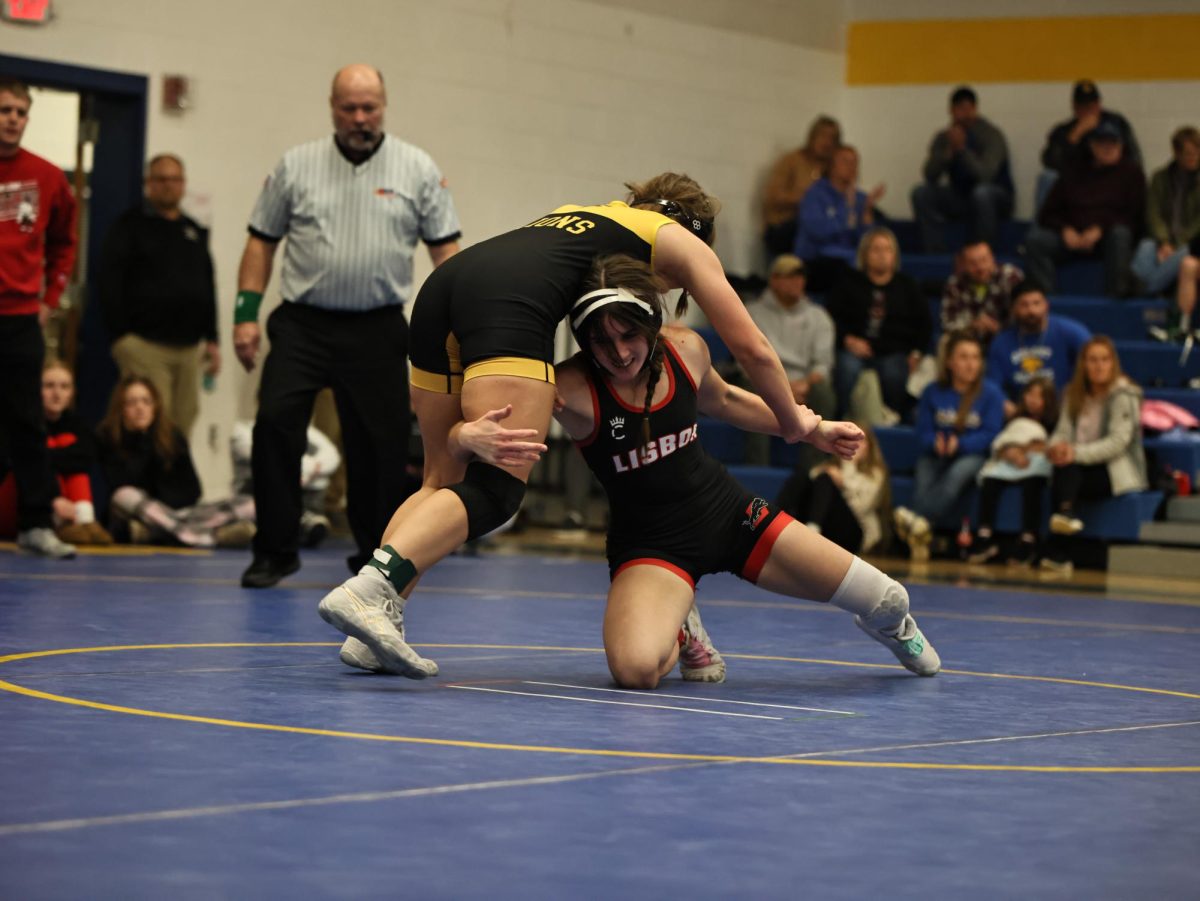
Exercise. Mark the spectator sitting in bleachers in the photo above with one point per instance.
(1172, 218)
(1096, 206)
(801, 332)
(155, 489)
(832, 218)
(1065, 143)
(883, 322)
(978, 296)
(971, 154)
(1018, 456)
(1096, 448)
(847, 501)
(957, 418)
(1035, 343)
(792, 175)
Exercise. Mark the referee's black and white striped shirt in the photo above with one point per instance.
(351, 230)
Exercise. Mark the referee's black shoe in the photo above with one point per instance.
(268, 569)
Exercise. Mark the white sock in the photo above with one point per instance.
(872, 594)
(84, 512)
(1185, 321)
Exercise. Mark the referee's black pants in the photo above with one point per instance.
(363, 358)
(22, 422)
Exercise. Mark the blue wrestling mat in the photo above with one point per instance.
(166, 733)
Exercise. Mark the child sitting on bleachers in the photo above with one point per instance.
(958, 416)
(1096, 448)
(1018, 456)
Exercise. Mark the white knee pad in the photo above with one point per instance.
(867, 591)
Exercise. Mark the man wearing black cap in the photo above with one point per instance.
(1095, 207)
(1065, 142)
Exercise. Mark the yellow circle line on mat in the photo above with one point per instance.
(547, 749)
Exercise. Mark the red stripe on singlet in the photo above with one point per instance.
(762, 548)
(654, 561)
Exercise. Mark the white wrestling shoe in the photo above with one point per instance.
(892, 626)
(908, 644)
(356, 654)
(698, 659)
(366, 607)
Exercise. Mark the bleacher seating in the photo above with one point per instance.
(725, 442)
(1079, 276)
(1177, 449)
(1156, 365)
(1115, 519)
(1188, 398)
(764, 481)
(717, 349)
(1126, 319)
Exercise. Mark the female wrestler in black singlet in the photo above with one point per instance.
(630, 400)
(482, 339)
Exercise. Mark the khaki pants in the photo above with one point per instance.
(175, 372)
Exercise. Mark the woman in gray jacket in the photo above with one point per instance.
(1096, 448)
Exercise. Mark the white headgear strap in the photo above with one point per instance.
(594, 300)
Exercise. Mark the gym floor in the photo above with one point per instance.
(166, 732)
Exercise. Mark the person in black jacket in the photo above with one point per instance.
(155, 489)
(883, 322)
(158, 294)
(72, 456)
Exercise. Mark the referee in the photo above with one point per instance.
(352, 210)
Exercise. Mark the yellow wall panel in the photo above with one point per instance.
(945, 51)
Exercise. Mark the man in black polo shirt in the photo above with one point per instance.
(158, 296)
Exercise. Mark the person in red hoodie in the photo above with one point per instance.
(37, 251)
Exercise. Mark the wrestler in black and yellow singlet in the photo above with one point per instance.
(493, 308)
(671, 503)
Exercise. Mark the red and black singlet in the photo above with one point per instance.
(668, 499)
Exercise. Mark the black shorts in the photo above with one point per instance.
(463, 327)
(736, 538)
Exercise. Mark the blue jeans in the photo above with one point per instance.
(940, 481)
(982, 208)
(1156, 277)
(893, 376)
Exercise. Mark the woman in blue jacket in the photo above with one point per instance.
(958, 416)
